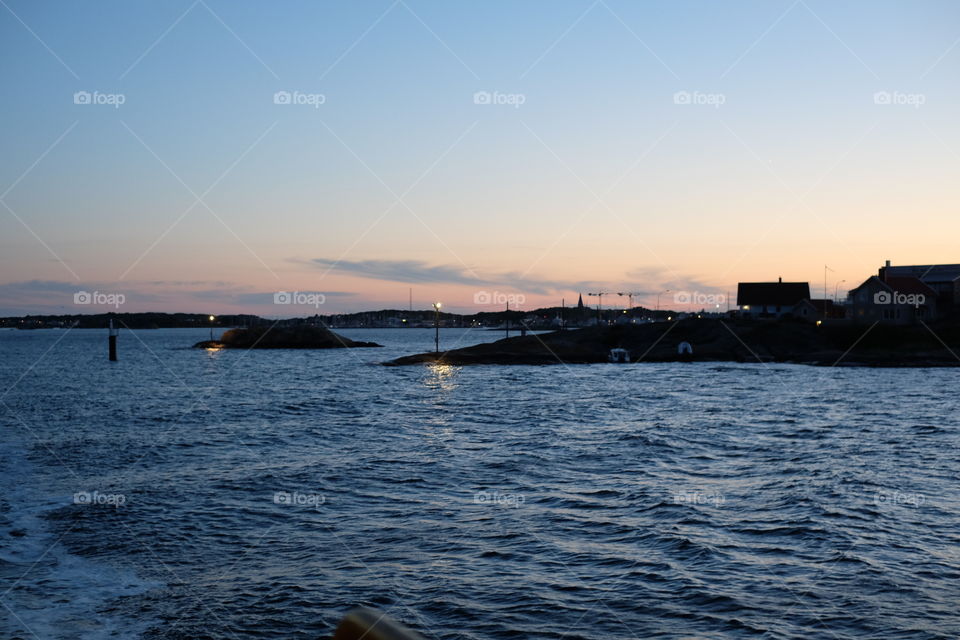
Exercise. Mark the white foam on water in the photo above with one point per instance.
(45, 591)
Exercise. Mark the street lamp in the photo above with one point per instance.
(658, 300)
(212, 318)
(836, 291)
(436, 326)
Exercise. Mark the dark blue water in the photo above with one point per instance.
(191, 494)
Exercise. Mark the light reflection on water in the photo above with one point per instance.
(660, 501)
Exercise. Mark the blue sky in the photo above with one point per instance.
(783, 160)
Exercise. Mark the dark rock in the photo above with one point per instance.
(721, 340)
(304, 337)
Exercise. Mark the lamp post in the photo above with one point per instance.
(212, 318)
(436, 326)
(658, 300)
(836, 291)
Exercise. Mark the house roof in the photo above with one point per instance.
(908, 285)
(900, 284)
(777, 293)
(925, 272)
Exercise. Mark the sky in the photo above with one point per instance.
(217, 156)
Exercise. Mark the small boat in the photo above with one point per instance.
(619, 356)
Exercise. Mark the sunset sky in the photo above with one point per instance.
(538, 149)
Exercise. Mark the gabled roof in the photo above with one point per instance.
(906, 284)
(776, 293)
(900, 284)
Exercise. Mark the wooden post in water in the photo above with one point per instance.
(112, 337)
(508, 319)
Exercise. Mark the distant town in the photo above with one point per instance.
(896, 295)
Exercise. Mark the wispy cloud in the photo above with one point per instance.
(420, 272)
(58, 297)
(642, 281)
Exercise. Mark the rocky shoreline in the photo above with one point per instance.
(714, 340)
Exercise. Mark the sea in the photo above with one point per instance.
(184, 493)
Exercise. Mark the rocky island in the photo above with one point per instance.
(733, 340)
(299, 337)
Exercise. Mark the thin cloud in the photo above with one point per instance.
(420, 272)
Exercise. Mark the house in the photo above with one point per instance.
(892, 300)
(944, 279)
(818, 309)
(770, 299)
